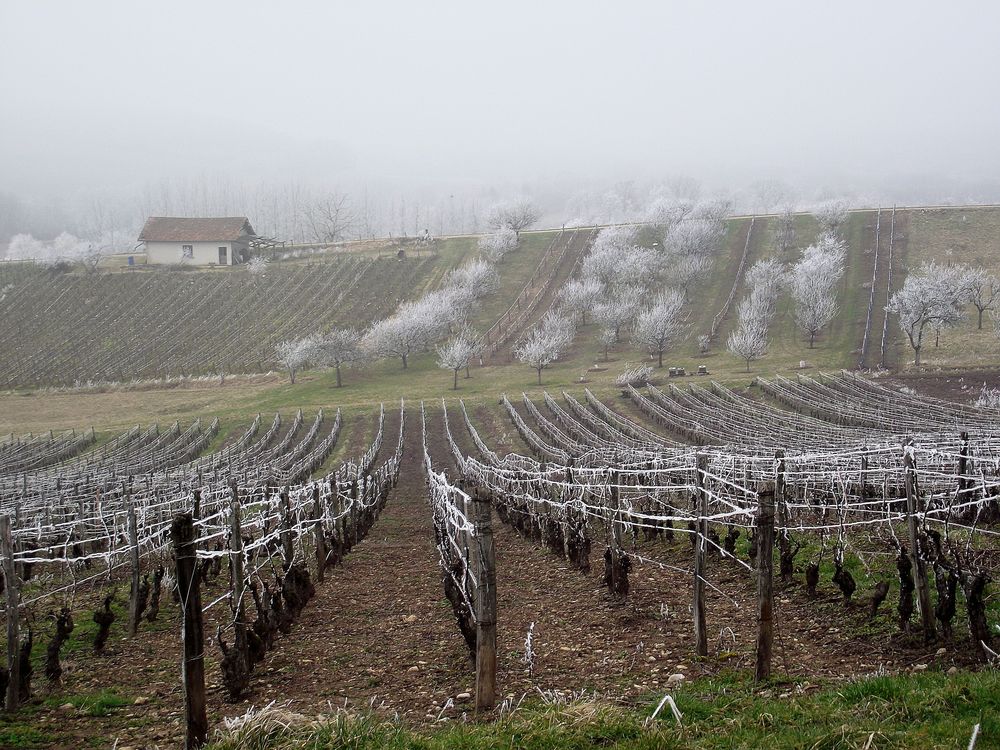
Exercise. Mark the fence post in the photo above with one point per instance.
(185, 543)
(916, 559)
(486, 606)
(11, 588)
(133, 540)
(701, 535)
(319, 535)
(765, 581)
(963, 469)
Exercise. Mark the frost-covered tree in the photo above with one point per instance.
(617, 312)
(455, 353)
(767, 276)
(340, 348)
(514, 215)
(545, 343)
(478, 276)
(929, 297)
(813, 286)
(495, 246)
(832, 215)
(257, 265)
(294, 354)
(397, 336)
(690, 245)
(748, 342)
(579, 296)
(784, 230)
(661, 325)
(664, 213)
(25, 247)
(982, 289)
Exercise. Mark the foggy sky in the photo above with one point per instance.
(99, 95)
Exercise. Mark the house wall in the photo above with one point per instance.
(205, 253)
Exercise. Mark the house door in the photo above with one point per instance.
(223, 254)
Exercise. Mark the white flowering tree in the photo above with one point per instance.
(295, 354)
(661, 325)
(456, 353)
(929, 297)
(514, 215)
(831, 215)
(340, 348)
(495, 246)
(748, 342)
(813, 286)
(545, 342)
(397, 336)
(579, 296)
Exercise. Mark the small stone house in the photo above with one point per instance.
(172, 240)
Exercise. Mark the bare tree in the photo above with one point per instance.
(981, 289)
(661, 325)
(455, 354)
(339, 348)
(294, 354)
(328, 217)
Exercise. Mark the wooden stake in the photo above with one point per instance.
(765, 581)
(11, 588)
(485, 565)
(239, 578)
(185, 543)
(318, 535)
(700, 630)
(616, 535)
(916, 560)
(133, 540)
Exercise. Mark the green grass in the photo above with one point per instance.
(92, 704)
(925, 711)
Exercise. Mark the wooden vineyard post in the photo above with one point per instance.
(11, 588)
(318, 535)
(701, 536)
(963, 469)
(182, 535)
(765, 581)
(133, 541)
(916, 560)
(616, 536)
(486, 606)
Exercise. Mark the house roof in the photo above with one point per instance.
(187, 229)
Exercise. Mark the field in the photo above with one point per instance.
(615, 517)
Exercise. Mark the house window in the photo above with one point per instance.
(223, 255)
(187, 251)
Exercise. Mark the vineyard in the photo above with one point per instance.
(66, 329)
(785, 530)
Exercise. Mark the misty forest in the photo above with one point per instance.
(392, 375)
